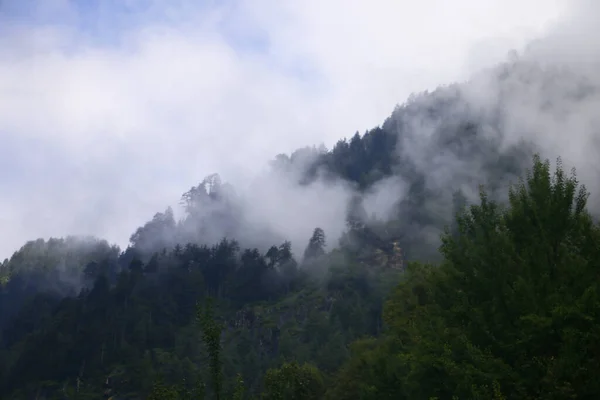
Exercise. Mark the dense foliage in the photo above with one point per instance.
(502, 304)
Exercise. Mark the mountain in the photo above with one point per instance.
(413, 283)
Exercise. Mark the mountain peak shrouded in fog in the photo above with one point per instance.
(481, 130)
(124, 105)
(311, 200)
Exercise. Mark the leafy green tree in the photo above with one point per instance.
(373, 372)
(211, 336)
(161, 391)
(240, 389)
(504, 313)
(293, 381)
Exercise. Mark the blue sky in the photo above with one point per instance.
(109, 109)
(105, 22)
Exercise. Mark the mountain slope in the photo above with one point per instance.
(78, 313)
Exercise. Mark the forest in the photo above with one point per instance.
(479, 284)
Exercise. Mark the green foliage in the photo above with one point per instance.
(211, 336)
(511, 311)
(293, 381)
(371, 372)
(160, 391)
(240, 389)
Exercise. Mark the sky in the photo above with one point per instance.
(110, 110)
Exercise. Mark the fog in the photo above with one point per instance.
(103, 126)
(550, 93)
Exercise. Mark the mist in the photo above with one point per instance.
(187, 152)
(549, 95)
(457, 134)
(105, 125)
(485, 129)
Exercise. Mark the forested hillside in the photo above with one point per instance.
(437, 287)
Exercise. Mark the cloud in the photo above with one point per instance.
(482, 131)
(550, 94)
(108, 112)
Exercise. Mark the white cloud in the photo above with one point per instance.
(97, 137)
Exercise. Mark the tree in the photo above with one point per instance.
(510, 310)
(371, 373)
(293, 381)
(160, 391)
(211, 336)
(316, 245)
(156, 234)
